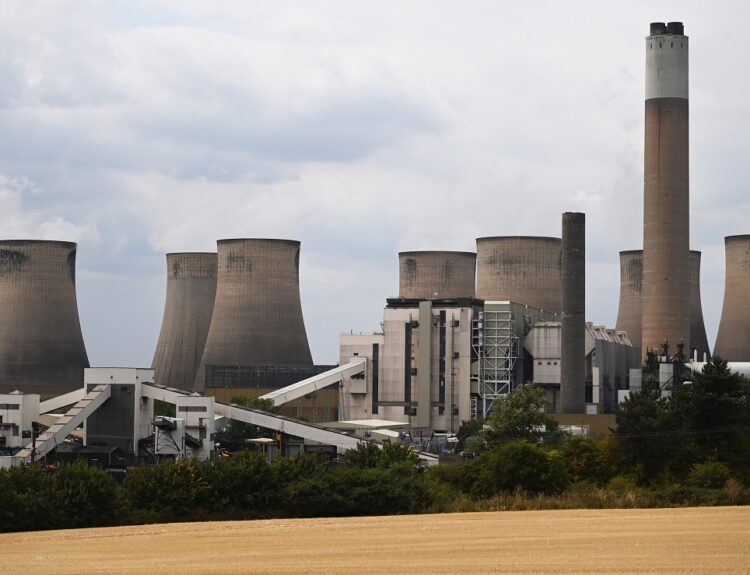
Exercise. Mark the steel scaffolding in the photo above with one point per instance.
(496, 345)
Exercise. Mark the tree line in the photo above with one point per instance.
(692, 448)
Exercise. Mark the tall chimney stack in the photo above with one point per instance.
(666, 226)
(573, 324)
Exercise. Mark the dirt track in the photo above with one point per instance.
(694, 540)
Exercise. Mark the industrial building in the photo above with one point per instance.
(441, 361)
(116, 409)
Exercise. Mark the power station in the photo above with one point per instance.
(464, 330)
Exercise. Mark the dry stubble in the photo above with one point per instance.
(693, 540)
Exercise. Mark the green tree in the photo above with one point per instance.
(645, 433)
(518, 415)
(28, 500)
(588, 460)
(87, 496)
(707, 418)
(172, 490)
(369, 455)
(713, 412)
(242, 485)
(521, 465)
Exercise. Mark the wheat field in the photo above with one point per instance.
(706, 540)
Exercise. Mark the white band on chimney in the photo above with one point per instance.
(666, 66)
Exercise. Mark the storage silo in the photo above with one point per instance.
(436, 275)
(257, 317)
(191, 289)
(733, 339)
(524, 269)
(629, 313)
(698, 338)
(41, 344)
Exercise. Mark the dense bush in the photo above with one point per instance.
(710, 474)
(588, 460)
(86, 496)
(518, 465)
(167, 492)
(28, 500)
(244, 484)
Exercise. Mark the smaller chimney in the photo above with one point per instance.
(573, 324)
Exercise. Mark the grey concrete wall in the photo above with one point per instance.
(436, 275)
(257, 317)
(523, 269)
(733, 339)
(41, 344)
(191, 290)
(573, 317)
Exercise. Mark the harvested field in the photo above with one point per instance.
(693, 540)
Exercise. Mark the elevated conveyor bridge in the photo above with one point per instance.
(74, 417)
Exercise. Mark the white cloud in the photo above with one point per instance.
(18, 222)
(361, 129)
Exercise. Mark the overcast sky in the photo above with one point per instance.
(138, 128)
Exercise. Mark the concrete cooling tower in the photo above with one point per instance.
(733, 339)
(666, 218)
(41, 345)
(436, 275)
(629, 314)
(698, 339)
(521, 269)
(257, 318)
(191, 289)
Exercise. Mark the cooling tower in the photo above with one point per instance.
(733, 339)
(191, 289)
(41, 345)
(573, 316)
(436, 275)
(257, 317)
(698, 339)
(521, 269)
(666, 269)
(629, 313)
